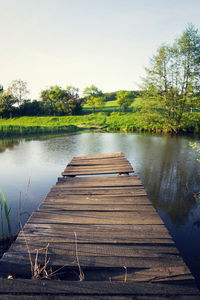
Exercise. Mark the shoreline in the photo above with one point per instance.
(124, 123)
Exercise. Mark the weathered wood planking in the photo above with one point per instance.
(59, 290)
(98, 164)
(109, 225)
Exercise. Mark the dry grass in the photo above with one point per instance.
(81, 274)
(43, 270)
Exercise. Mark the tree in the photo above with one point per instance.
(171, 87)
(18, 89)
(94, 97)
(48, 100)
(73, 94)
(1, 88)
(58, 101)
(31, 108)
(6, 104)
(124, 99)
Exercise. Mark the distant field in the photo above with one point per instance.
(110, 106)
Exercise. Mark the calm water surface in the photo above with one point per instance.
(166, 165)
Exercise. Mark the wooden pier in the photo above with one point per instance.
(99, 237)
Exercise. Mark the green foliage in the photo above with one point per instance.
(171, 87)
(31, 108)
(4, 211)
(116, 121)
(124, 99)
(112, 96)
(16, 130)
(58, 101)
(6, 104)
(94, 97)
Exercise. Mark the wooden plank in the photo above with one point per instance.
(98, 162)
(60, 258)
(138, 234)
(35, 287)
(96, 217)
(96, 172)
(159, 230)
(69, 297)
(107, 181)
(107, 169)
(94, 207)
(102, 178)
(99, 239)
(95, 199)
(101, 159)
(62, 188)
(99, 156)
(97, 191)
(59, 245)
(98, 166)
(111, 164)
(100, 170)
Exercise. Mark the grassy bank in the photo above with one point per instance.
(19, 129)
(124, 122)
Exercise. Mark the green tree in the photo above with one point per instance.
(6, 104)
(1, 88)
(18, 88)
(94, 97)
(48, 100)
(31, 108)
(124, 99)
(171, 87)
(58, 101)
(73, 94)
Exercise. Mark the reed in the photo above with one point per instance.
(16, 130)
(5, 212)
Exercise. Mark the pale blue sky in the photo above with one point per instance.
(82, 42)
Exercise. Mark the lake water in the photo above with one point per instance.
(166, 165)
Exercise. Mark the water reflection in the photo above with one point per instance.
(172, 178)
(8, 144)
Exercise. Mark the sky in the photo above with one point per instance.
(107, 43)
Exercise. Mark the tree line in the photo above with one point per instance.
(57, 101)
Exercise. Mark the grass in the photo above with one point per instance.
(109, 107)
(16, 129)
(40, 265)
(112, 121)
(5, 212)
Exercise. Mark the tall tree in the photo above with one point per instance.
(94, 97)
(18, 88)
(172, 83)
(6, 104)
(73, 94)
(124, 99)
